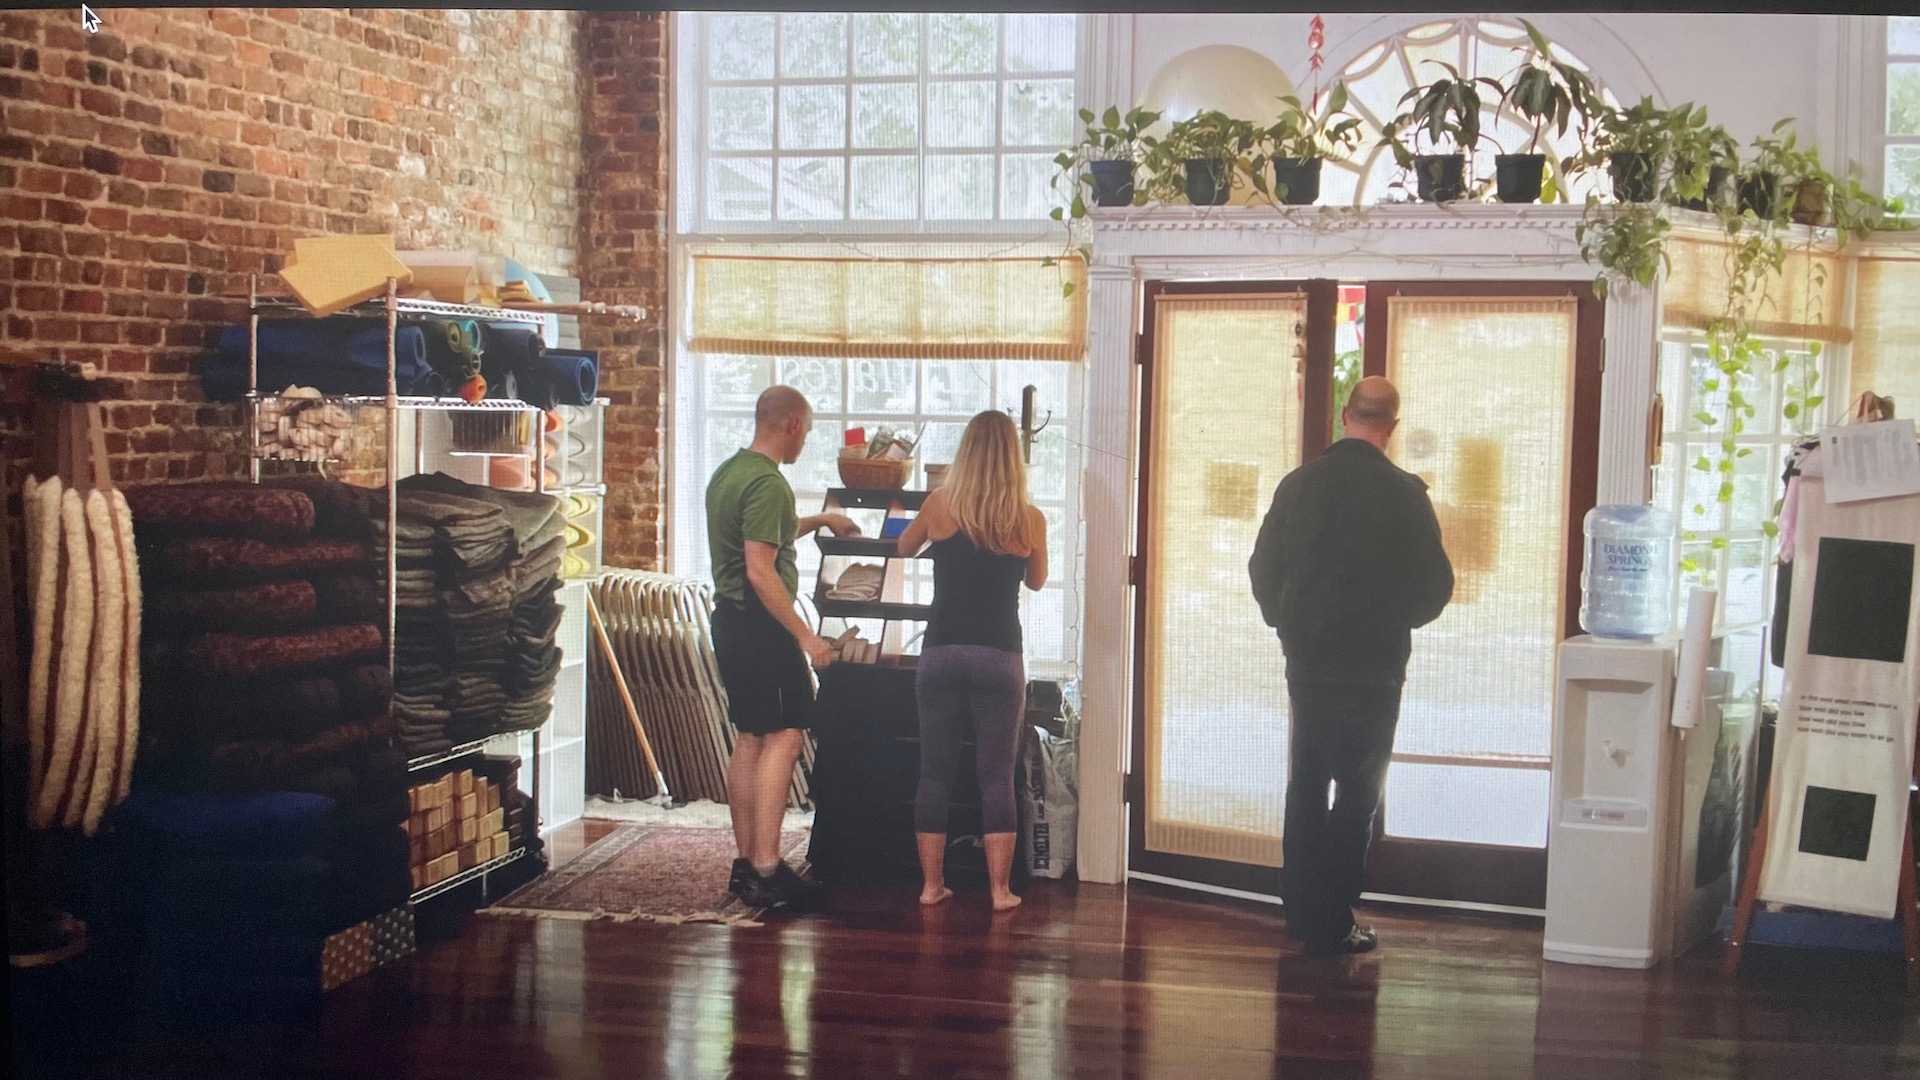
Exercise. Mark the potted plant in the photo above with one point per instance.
(1201, 158)
(1627, 241)
(1298, 143)
(1543, 91)
(1105, 158)
(1778, 167)
(1704, 158)
(1634, 143)
(1447, 111)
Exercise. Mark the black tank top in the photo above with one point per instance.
(976, 595)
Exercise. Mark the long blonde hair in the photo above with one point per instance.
(986, 486)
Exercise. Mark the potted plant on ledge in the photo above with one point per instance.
(1544, 90)
(1201, 158)
(1447, 112)
(1298, 144)
(1704, 157)
(1105, 158)
(1634, 143)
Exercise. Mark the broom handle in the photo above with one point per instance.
(626, 698)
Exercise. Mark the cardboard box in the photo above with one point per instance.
(491, 793)
(463, 782)
(500, 843)
(437, 843)
(443, 867)
(468, 806)
(469, 856)
(413, 800)
(469, 829)
(493, 822)
(419, 875)
(443, 791)
(438, 818)
(417, 851)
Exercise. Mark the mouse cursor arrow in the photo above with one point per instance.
(88, 20)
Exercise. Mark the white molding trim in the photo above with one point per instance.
(1107, 498)
(1404, 243)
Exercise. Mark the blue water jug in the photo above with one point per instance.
(1626, 587)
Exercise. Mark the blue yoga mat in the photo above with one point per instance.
(334, 356)
(561, 377)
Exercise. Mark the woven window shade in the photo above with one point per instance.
(1797, 306)
(937, 309)
(1886, 344)
(1486, 420)
(1226, 428)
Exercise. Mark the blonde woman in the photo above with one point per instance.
(985, 540)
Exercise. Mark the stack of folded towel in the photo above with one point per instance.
(477, 620)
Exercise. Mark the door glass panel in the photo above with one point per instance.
(1226, 427)
(1485, 420)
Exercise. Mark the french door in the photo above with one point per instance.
(1500, 407)
(1235, 386)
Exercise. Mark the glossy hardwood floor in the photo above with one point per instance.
(1080, 981)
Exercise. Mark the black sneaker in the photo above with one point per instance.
(795, 891)
(1359, 939)
(750, 888)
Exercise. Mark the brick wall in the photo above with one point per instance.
(623, 261)
(146, 170)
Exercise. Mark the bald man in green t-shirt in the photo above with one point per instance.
(762, 646)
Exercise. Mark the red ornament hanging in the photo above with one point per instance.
(1316, 40)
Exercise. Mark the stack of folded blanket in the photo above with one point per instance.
(265, 659)
(479, 570)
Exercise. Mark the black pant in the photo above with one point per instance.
(1343, 735)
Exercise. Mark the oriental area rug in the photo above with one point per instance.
(657, 873)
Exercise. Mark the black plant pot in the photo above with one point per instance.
(1517, 176)
(1760, 193)
(1297, 180)
(1208, 182)
(1636, 177)
(1112, 183)
(1441, 177)
(1716, 191)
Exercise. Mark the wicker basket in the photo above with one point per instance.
(859, 471)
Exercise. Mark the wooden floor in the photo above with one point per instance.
(1081, 981)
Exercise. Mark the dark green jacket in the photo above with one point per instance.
(1349, 562)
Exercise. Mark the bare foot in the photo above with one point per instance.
(1006, 903)
(937, 896)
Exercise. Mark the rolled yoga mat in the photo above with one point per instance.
(561, 377)
(454, 348)
(335, 356)
(511, 353)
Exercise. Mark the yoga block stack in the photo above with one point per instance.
(457, 823)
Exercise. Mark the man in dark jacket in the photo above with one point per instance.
(1348, 563)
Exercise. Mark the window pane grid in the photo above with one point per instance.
(751, 187)
(936, 392)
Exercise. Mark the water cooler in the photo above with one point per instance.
(1633, 799)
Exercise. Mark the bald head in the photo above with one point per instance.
(779, 406)
(781, 420)
(1373, 409)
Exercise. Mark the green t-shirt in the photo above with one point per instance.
(748, 499)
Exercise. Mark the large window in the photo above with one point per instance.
(1902, 152)
(935, 397)
(1687, 485)
(1477, 47)
(883, 121)
(843, 134)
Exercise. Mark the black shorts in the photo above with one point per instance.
(768, 680)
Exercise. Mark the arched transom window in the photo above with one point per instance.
(1494, 48)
